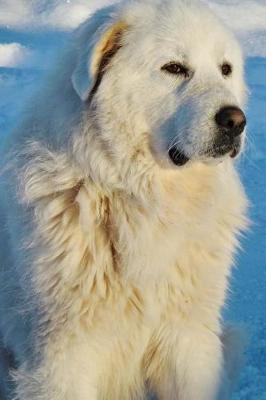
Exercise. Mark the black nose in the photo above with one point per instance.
(232, 120)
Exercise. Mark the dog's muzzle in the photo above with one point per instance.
(230, 124)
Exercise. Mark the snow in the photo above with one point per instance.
(64, 14)
(13, 55)
(31, 31)
(248, 300)
(247, 15)
(247, 18)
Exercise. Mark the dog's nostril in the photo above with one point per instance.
(231, 123)
(232, 119)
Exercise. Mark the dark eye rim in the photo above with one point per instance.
(176, 68)
(226, 69)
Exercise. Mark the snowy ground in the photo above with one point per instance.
(248, 300)
(30, 33)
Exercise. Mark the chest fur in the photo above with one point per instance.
(99, 248)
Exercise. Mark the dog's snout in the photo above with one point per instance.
(232, 120)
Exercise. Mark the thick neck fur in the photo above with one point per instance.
(101, 219)
(115, 164)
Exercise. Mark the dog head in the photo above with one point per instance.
(168, 70)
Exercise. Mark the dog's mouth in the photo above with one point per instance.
(177, 156)
(234, 153)
(226, 146)
(231, 150)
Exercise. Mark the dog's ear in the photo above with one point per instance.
(94, 60)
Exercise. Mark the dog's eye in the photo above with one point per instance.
(176, 69)
(226, 69)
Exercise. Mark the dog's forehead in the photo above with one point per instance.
(170, 14)
(184, 27)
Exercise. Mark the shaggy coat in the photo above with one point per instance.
(114, 262)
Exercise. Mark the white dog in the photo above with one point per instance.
(121, 210)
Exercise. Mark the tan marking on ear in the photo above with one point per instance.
(110, 42)
(105, 51)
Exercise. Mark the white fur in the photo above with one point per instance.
(114, 262)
